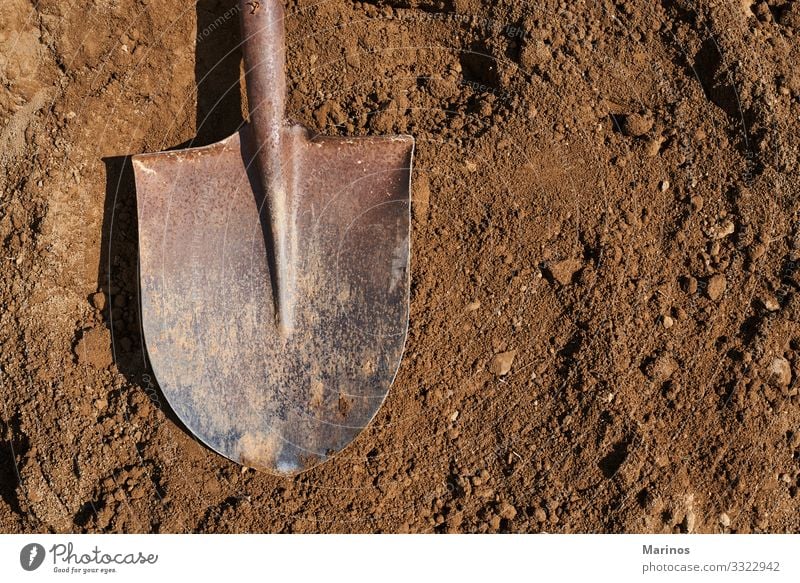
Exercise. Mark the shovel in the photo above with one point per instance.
(274, 274)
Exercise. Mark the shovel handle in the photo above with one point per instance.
(264, 57)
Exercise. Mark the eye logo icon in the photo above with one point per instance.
(31, 556)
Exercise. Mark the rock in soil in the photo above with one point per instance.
(98, 300)
(780, 372)
(564, 271)
(636, 124)
(501, 363)
(716, 287)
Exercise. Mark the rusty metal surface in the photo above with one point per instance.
(278, 402)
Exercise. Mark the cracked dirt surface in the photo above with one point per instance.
(605, 319)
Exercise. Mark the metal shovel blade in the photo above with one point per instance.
(257, 395)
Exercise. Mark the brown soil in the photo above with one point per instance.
(605, 319)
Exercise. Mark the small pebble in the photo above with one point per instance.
(98, 300)
(781, 372)
(507, 511)
(501, 364)
(723, 230)
(770, 304)
(725, 520)
(636, 124)
(716, 287)
(668, 322)
(564, 271)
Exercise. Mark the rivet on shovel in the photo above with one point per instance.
(274, 274)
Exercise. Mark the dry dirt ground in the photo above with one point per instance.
(605, 316)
